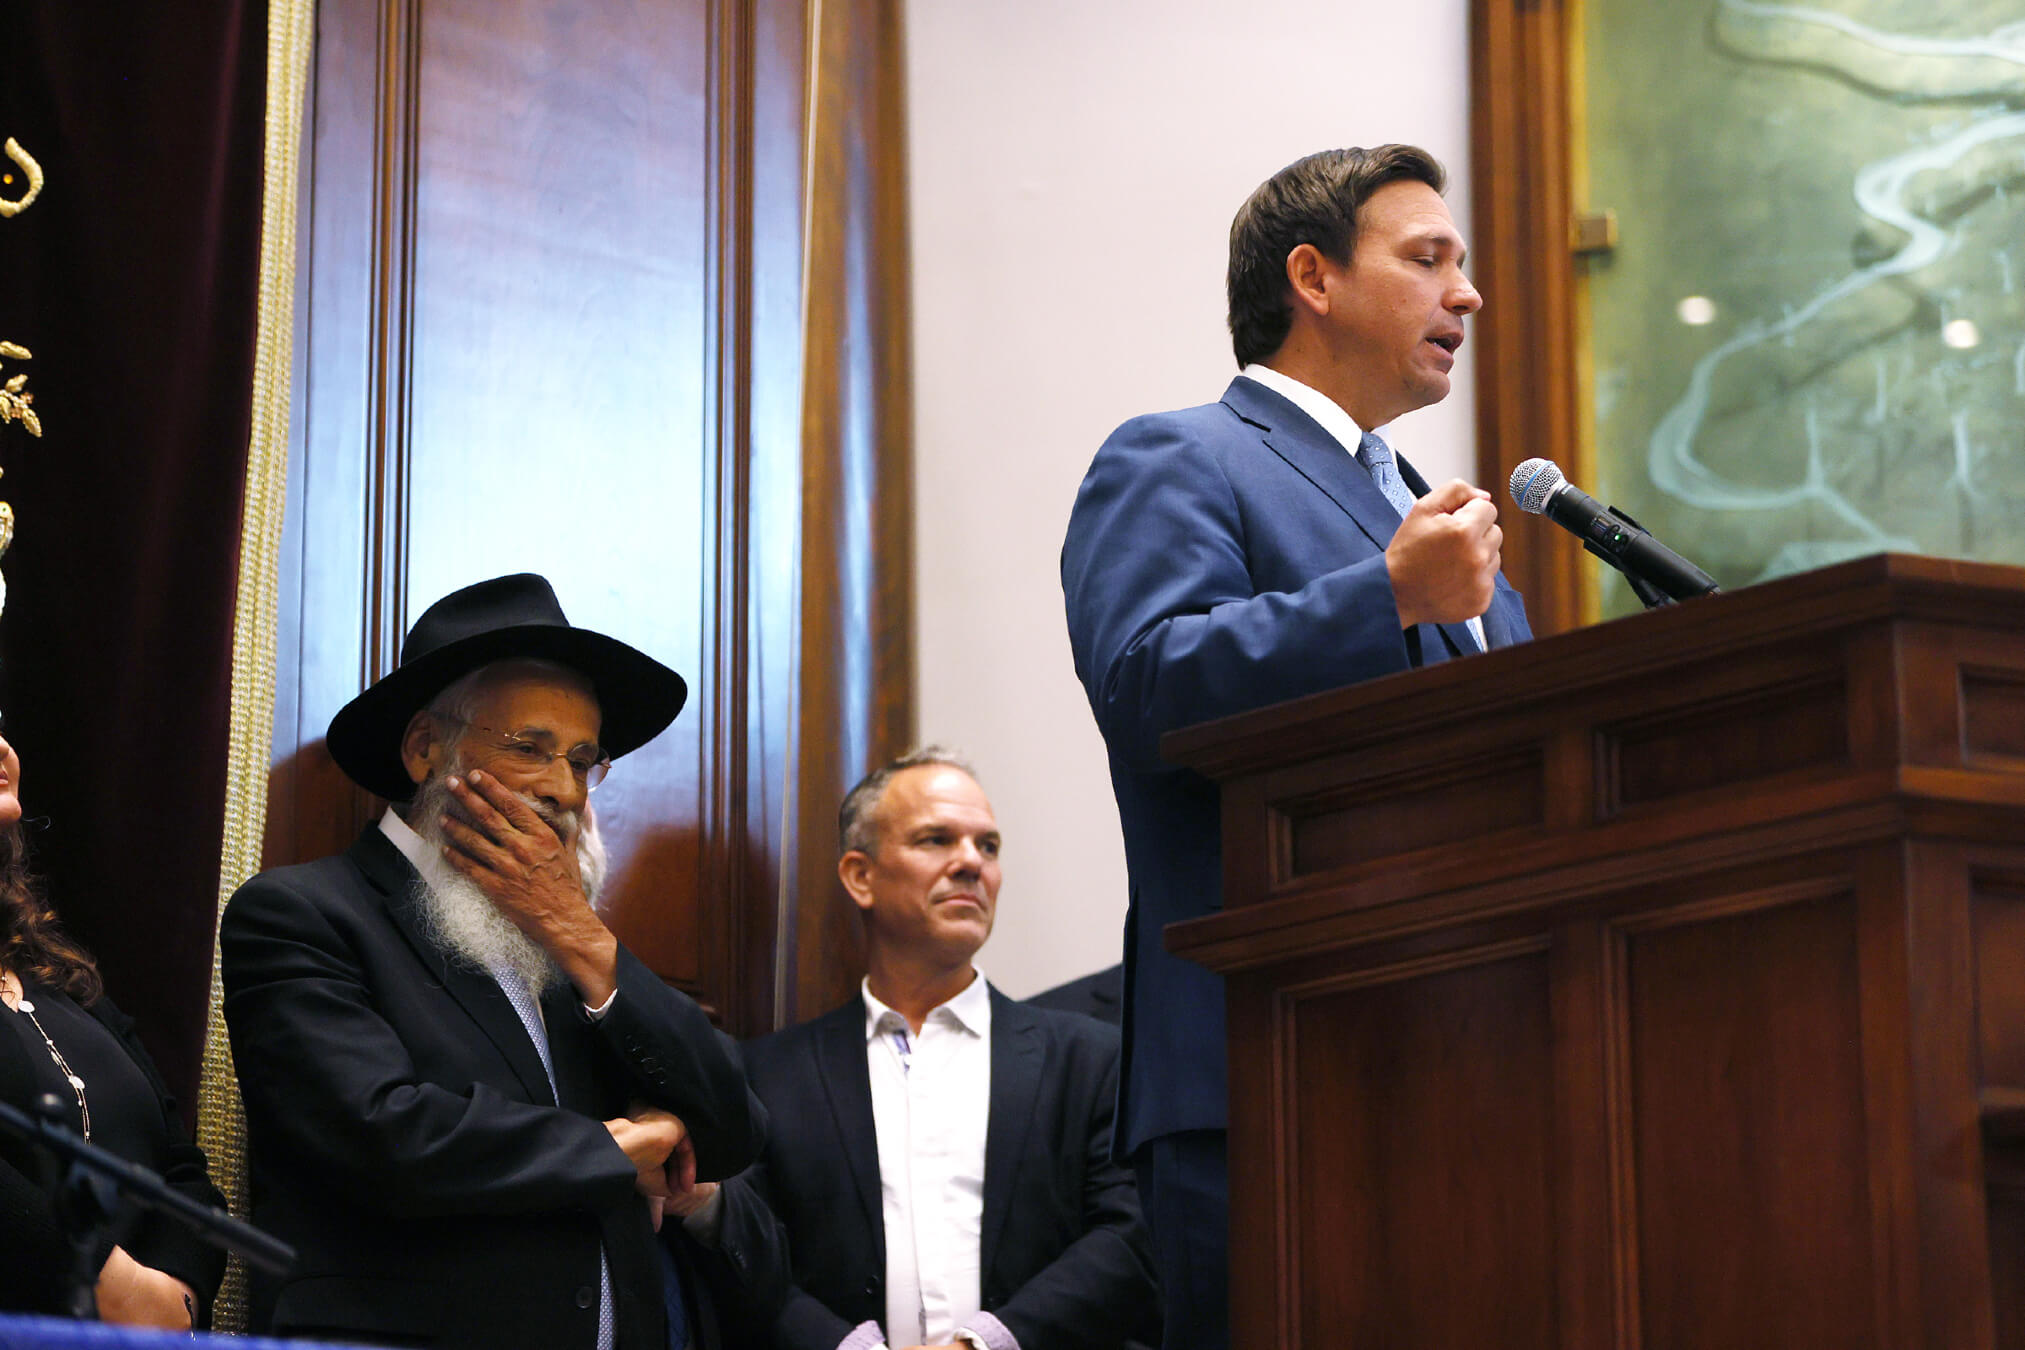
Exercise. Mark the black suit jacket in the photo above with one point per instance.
(1065, 1262)
(404, 1137)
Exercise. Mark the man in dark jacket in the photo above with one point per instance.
(939, 1157)
(465, 1100)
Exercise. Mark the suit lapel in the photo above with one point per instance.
(1017, 1060)
(1504, 622)
(1314, 454)
(575, 1075)
(474, 990)
(847, 1081)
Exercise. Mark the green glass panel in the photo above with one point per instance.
(1810, 341)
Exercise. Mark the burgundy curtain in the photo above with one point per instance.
(133, 280)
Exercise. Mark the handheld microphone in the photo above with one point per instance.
(1540, 488)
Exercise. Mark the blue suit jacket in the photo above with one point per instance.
(1219, 559)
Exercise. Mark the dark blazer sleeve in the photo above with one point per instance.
(1100, 1291)
(754, 1254)
(754, 1243)
(345, 1095)
(1167, 623)
(673, 1058)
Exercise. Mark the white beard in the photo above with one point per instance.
(460, 918)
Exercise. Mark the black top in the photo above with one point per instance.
(132, 1115)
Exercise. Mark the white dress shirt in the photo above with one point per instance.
(931, 1104)
(1341, 427)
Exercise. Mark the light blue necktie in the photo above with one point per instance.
(516, 992)
(1376, 457)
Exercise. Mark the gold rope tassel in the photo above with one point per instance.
(221, 1127)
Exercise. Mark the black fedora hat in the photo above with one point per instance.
(498, 620)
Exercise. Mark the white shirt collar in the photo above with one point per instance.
(419, 852)
(970, 1009)
(1342, 428)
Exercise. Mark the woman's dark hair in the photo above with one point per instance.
(1311, 201)
(32, 942)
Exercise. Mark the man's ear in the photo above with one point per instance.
(421, 747)
(1307, 273)
(854, 869)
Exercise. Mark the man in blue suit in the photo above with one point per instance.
(1253, 550)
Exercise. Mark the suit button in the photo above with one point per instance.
(586, 1296)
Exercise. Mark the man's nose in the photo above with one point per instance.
(559, 787)
(1463, 297)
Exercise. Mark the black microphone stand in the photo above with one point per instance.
(101, 1192)
(1650, 595)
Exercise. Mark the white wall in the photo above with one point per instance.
(1074, 166)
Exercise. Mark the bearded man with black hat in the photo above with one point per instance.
(465, 1101)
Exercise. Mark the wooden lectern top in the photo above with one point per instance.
(1855, 696)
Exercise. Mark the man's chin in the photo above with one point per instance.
(963, 924)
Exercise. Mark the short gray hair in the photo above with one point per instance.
(858, 817)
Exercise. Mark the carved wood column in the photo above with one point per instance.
(1527, 373)
(857, 659)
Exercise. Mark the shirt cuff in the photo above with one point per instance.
(708, 1221)
(864, 1336)
(994, 1333)
(597, 1014)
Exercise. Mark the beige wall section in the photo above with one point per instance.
(1073, 170)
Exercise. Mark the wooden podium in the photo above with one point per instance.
(1661, 985)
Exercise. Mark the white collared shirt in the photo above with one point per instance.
(1341, 427)
(931, 1105)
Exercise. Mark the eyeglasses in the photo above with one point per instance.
(588, 763)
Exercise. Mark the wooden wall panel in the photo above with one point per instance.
(556, 415)
(555, 322)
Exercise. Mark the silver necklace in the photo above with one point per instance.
(62, 1064)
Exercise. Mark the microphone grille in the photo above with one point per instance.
(1534, 482)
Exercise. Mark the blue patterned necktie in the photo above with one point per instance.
(1376, 457)
(516, 991)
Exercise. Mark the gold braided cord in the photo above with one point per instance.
(221, 1127)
